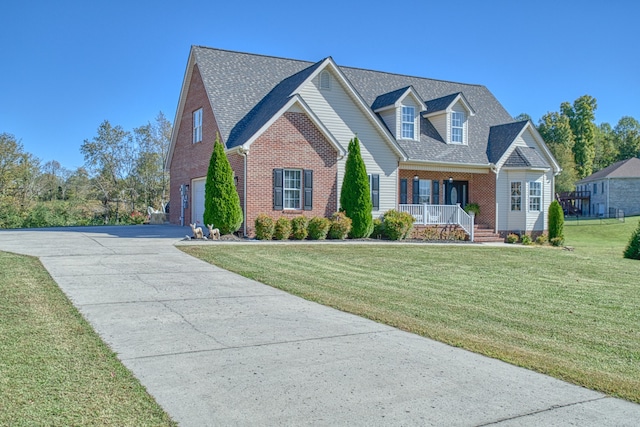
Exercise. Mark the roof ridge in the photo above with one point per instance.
(259, 54)
(410, 76)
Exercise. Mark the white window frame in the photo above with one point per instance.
(535, 196)
(408, 127)
(197, 126)
(424, 189)
(515, 198)
(457, 125)
(292, 194)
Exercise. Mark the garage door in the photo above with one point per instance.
(197, 211)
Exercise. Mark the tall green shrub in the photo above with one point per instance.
(264, 226)
(282, 229)
(397, 225)
(632, 250)
(318, 228)
(355, 196)
(221, 201)
(556, 221)
(299, 227)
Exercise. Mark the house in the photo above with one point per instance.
(429, 146)
(612, 191)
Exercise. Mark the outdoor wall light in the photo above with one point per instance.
(415, 177)
(450, 180)
(235, 181)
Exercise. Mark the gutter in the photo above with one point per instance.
(243, 152)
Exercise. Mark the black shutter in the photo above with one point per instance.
(416, 191)
(403, 191)
(435, 192)
(308, 189)
(375, 191)
(277, 189)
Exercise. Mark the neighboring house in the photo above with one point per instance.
(286, 125)
(611, 190)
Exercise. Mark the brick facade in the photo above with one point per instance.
(191, 160)
(481, 187)
(292, 142)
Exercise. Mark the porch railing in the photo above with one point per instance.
(441, 215)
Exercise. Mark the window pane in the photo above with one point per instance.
(457, 127)
(291, 189)
(408, 115)
(516, 196)
(535, 195)
(425, 191)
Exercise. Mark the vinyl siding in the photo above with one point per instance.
(440, 123)
(344, 119)
(525, 220)
(389, 117)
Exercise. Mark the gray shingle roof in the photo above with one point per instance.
(526, 157)
(629, 168)
(440, 104)
(388, 99)
(237, 84)
(501, 137)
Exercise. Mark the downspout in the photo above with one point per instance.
(494, 169)
(243, 152)
(608, 184)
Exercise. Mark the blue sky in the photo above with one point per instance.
(66, 66)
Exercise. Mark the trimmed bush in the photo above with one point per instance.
(318, 228)
(526, 239)
(378, 229)
(397, 225)
(512, 238)
(557, 241)
(556, 221)
(541, 239)
(299, 227)
(355, 197)
(340, 226)
(264, 227)
(632, 251)
(221, 201)
(282, 229)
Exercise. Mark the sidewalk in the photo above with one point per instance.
(215, 348)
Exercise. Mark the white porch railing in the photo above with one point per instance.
(441, 215)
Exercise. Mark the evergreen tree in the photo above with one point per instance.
(581, 118)
(221, 201)
(556, 221)
(355, 196)
(632, 250)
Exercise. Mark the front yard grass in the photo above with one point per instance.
(54, 369)
(574, 315)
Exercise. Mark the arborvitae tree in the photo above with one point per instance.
(355, 196)
(221, 201)
(556, 220)
(632, 250)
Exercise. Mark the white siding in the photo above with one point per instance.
(440, 122)
(525, 220)
(344, 119)
(390, 118)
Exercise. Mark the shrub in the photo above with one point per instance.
(526, 239)
(340, 226)
(282, 229)
(355, 197)
(136, 218)
(299, 227)
(430, 233)
(632, 251)
(512, 238)
(557, 241)
(378, 229)
(221, 201)
(264, 227)
(556, 221)
(541, 239)
(397, 225)
(318, 228)
(472, 207)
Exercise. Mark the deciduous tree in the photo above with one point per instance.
(581, 118)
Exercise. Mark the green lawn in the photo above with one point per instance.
(574, 314)
(54, 369)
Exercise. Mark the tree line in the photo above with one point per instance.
(123, 173)
(582, 147)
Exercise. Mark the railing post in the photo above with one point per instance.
(473, 228)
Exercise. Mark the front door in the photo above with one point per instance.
(457, 192)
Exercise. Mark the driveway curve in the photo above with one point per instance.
(215, 348)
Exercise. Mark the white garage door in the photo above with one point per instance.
(197, 211)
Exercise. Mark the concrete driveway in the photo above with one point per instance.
(215, 348)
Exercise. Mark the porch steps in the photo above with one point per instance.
(482, 234)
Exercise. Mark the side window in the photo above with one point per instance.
(197, 125)
(516, 196)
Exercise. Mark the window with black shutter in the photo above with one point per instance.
(375, 191)
(436, 192)
(277, 189)
(416, 191)
(308, 189)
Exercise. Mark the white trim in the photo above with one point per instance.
(540, 142)
(460, 97)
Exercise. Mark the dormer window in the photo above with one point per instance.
(408, 125)
(457, 127)
(325, 81)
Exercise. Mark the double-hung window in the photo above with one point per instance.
(197, 125)
(292, 188)
(424, 191)
(535, 195)
(457, 122)
(516, 196)
(408, 125)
